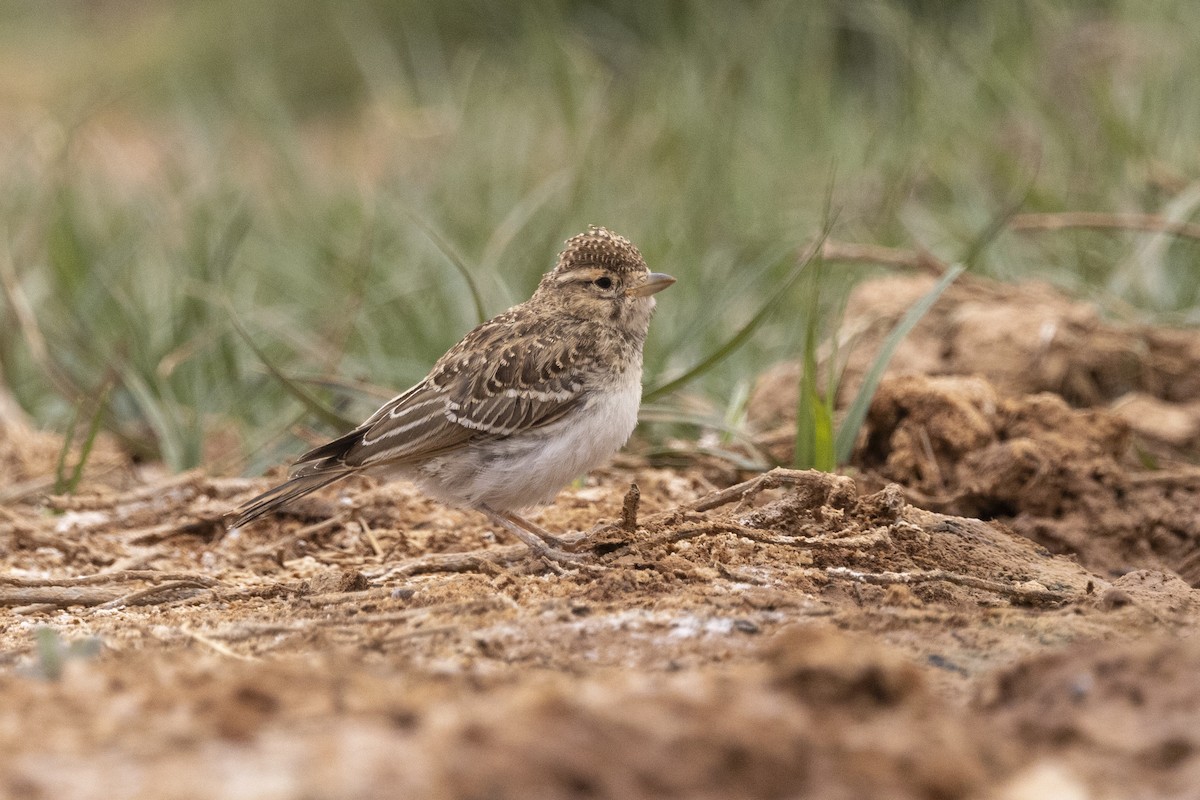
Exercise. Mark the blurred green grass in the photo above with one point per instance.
(169, 166)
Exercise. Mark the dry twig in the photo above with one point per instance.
(470, 561)
(1150, 223)
(922, 259)
(142, 596)
(1016, 593)
(629, 508)
(56, 596)
(120, 576)
(84, 590)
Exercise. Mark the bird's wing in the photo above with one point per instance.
(503, 378)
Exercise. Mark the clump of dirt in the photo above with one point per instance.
(1064, 477)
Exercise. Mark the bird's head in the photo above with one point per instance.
(602, 276)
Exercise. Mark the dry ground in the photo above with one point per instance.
(998, 603)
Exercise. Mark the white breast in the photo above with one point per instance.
(530, 468)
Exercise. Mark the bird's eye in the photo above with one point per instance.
(603, 282)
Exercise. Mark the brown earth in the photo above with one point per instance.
(996, 605)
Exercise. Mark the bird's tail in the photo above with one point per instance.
(284, 493)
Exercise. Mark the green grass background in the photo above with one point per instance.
(314, 169)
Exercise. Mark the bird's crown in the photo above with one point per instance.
(600, 247)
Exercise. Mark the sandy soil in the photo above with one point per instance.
(998, 602)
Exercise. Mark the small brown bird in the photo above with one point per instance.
(521, 406)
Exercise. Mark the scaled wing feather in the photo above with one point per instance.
(488, 386)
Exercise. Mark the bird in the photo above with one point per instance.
(525, 403)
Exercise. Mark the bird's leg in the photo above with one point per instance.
(537, 530)
(568, 542)
(539, 540)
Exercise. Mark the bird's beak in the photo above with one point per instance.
(655, 282)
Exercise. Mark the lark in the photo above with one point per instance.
(524, 404)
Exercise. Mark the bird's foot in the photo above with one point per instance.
(568, 541)
(560, 561)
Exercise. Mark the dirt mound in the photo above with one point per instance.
(1024, 339)
(1019, 404)
(1066, 478)
(737, 561)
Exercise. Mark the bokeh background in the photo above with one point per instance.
(210, 207)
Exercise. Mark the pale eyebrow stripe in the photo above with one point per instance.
(587, 273)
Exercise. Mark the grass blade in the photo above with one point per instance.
(454, 258)
(64, 484)
(89, 441)
(319, 409)
(814, 436)
(164, 424)
(997, 225)
(814, 415)
(848, 432)
(60, 466)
